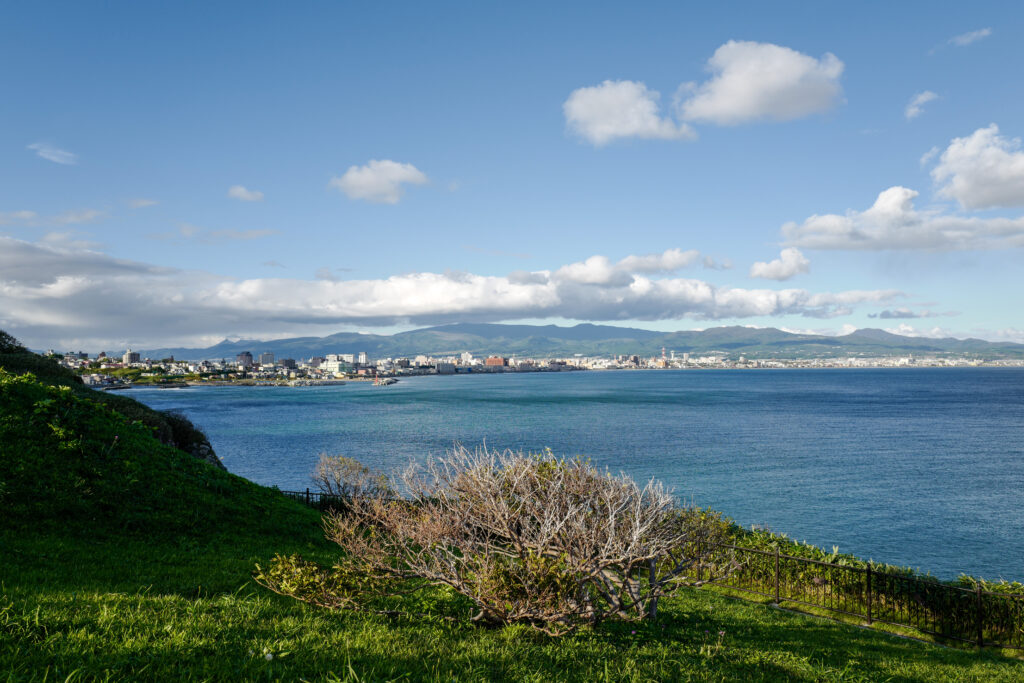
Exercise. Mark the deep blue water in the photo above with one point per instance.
(918, 467)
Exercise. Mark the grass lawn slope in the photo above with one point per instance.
(122, 558)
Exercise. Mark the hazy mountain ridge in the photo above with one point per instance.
(597, 340)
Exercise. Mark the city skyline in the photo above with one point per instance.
(185, 174)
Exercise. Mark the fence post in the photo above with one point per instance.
(776, 575)
(869, 594)
(307, 495)
(700, 561)
(981, 624)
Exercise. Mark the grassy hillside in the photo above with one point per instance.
(126, 559)
(169, 428)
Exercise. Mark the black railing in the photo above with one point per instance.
(983, 618)
(320, 501)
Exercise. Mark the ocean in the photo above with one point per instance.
(918, 467)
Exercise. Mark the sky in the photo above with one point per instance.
(181, 173)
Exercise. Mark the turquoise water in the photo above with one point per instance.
(920, 467)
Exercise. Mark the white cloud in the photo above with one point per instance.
(241, 193)
(32, 218)
(892, 222)
(916, 105)
(13, 217)
(79, 216)
(790, 262)
(983, 170)
(380, 181)
(965, 39)
(668, 261)
(54, 154)
(142, 203)
(620, 109)
(927, 157)
(710, 263)
(752, 81)
(49, 294)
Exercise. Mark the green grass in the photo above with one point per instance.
(138, 567)
(184, 608)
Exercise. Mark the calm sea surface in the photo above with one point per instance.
(920, 467)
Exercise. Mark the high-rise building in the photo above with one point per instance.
(363, 359)
(130, 357)
(266, 358)
(244, 359)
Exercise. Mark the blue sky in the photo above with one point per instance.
(182, 173)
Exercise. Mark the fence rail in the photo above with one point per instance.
(983, 618)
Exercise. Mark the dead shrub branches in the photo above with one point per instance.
(534, 539)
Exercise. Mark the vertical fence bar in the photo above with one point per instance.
(870, 619)
(981, 624)
(776, 575)
(700, 560)
(307, 495)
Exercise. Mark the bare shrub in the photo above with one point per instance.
(337, 475)
(534, 539)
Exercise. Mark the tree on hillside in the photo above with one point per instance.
(8, 344)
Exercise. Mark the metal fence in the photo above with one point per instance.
(976, 616)
(315, 499)
(983, 618)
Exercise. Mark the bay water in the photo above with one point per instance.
(921, 467)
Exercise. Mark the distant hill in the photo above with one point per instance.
(599, 340)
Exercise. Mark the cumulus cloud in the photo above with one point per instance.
(916, 105)
(241, 193)
(983, 170)
(753, 81)
(50, 294)
(892, 222)
(790, 262)
(380, 181)
(965, 39)
(53, 153)
(620, 109)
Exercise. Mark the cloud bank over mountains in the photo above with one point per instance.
(50, 293)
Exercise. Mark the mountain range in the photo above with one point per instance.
(541, 341)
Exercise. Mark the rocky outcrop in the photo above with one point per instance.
(204, 451)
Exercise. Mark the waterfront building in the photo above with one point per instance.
(244, 359)
(266, 358)
(130, 357)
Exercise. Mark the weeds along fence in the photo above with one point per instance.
(968, 615)
(323, 502)
(975, 616)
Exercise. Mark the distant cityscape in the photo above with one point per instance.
(130, 368)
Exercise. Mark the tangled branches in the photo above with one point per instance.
(552, 543)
